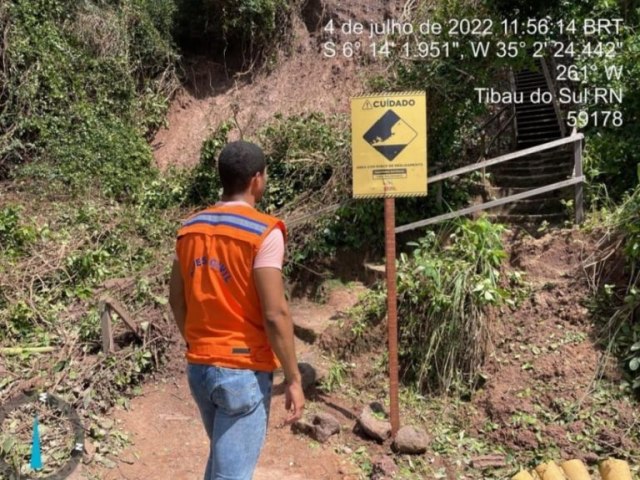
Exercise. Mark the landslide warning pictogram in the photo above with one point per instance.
(390, 135)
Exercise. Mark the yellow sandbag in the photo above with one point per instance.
(613, 469)
(550, 471)
(523, 475)
(575, 470)
(535, 475)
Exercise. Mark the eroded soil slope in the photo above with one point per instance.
(302, 80)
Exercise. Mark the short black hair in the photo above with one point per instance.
(237, 164)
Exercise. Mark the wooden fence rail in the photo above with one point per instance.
(577, 180)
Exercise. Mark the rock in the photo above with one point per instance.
(308, 374)
(325, 426)
(105, 461)
(344, 449)
(590, 458)
(383, 467)
(105, 423)
(373, 426)
(303, 427)
(320, 428)
(411, 440)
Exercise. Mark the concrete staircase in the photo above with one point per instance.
(535, 124)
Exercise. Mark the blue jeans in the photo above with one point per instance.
(234, 405)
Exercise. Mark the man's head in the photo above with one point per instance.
(242, 169)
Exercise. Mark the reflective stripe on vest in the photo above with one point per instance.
(228, 219)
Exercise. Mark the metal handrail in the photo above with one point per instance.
(506, 158)
(577, 180)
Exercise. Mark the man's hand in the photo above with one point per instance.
(294, 401)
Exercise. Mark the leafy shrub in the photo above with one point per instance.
(445, 287)
(14, 236)
(442, 295)
(204, 187)
(307, 157)
(84, 85)
(619, 304)
(609, 150)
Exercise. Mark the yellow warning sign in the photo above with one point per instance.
(389, 144)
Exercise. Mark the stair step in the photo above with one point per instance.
(545, 137)
(527, 121)
(533, 165)
(526, 111)
(499, 192)
(526, 72)
(540, 118)
(533, 142)
(529, 143)
(528, 106)
(541, 159)
(553, 154)
(531, 84)
(537, 127)
(529, 77)
(553, 134)
(542, 137)
(528, 89)
(531, 181)
(510, 168)
(550, 136)
(529, 129)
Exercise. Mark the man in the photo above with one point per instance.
(227, 296)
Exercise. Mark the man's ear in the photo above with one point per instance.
(254, 185)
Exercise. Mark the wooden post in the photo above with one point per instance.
(106, 328)
(579, 188)
(392, 311)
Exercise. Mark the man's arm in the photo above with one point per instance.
(279, 328)
(176, 297)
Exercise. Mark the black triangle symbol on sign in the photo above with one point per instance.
(367, 105)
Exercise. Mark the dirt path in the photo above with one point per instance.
(168, 440)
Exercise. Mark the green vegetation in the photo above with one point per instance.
(442, 295)
(445, 287)
(82, 87)
(612, 158)
(335, 379)
(454, 113)
(617, 295)
(251, 29)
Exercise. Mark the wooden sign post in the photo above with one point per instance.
(389, 149)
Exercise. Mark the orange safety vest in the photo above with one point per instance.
(224, 325)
